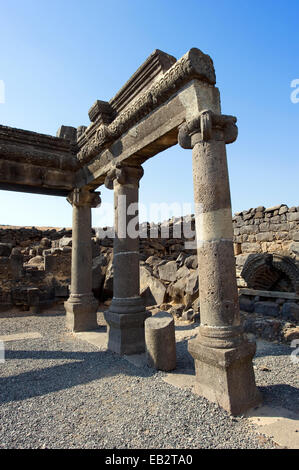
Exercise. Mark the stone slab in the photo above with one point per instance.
(271, 294)
(138, 360)
(99, 338)
(182, 379)
(280, 424)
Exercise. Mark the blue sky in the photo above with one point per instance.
(58, 57)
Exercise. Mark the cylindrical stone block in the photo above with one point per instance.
(160, 341)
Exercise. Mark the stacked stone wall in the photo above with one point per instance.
(271, 230)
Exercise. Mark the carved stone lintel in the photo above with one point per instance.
(84, 197)
(193, 65)
(208, 126)
(124, 175)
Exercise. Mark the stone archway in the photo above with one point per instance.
(274, 272)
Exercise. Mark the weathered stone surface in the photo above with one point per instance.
(177, 310)
(251, 248)
(291, 334)
(37, 261)
(283, 210)
(5, 249)
(81, 306)
(126, 331)
(160, 341)
(290, 311)
(267, 308)
(185, 289)
(99, 267)
(108, 283)
(65, 241)
(168, 271)
(293, 216)
(191, 262)
(36, 163)
(188, 315)
(264, 237)
(295, 248)
(151, 289)
(226, 377)
(246, 304)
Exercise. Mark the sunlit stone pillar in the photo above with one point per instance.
(127, 312)
(222, 353)
(81, 307)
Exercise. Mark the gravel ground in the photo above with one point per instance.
(60, 392)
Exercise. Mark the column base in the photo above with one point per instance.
(125, 319)
(225, 375)
(81, 312)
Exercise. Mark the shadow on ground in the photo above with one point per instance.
(82, 368)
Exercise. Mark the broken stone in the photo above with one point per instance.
(290, 311)
(160, 341)
(151, 289)
(168, 271)
(5, 249)
(267, 308)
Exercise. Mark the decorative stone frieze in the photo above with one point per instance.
(193, 65)
(84, 197)
(208, 126)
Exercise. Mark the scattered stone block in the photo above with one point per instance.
(160, 341)
(270, 309)
(290, 334)
(151, 288)
(167, 272)
(5, 249)
(191, 262)
(290, 311)
(188, 315)
(246, 304)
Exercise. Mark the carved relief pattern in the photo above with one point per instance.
(199, 66)
(206, 123)
(84, 197)
(124, 175)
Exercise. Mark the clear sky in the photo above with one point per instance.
(59, 56)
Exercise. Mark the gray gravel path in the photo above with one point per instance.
(60, 392)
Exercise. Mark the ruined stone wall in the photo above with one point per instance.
(272, 230)
(168, 271)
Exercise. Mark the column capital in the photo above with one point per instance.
(84, 197)
(124, 174)
(208, 126)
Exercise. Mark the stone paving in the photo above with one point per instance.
(60, 390)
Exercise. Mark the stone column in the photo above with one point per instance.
(81, 307)
(222, 353)
(127, 312)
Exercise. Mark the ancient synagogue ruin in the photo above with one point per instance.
(166, 101)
